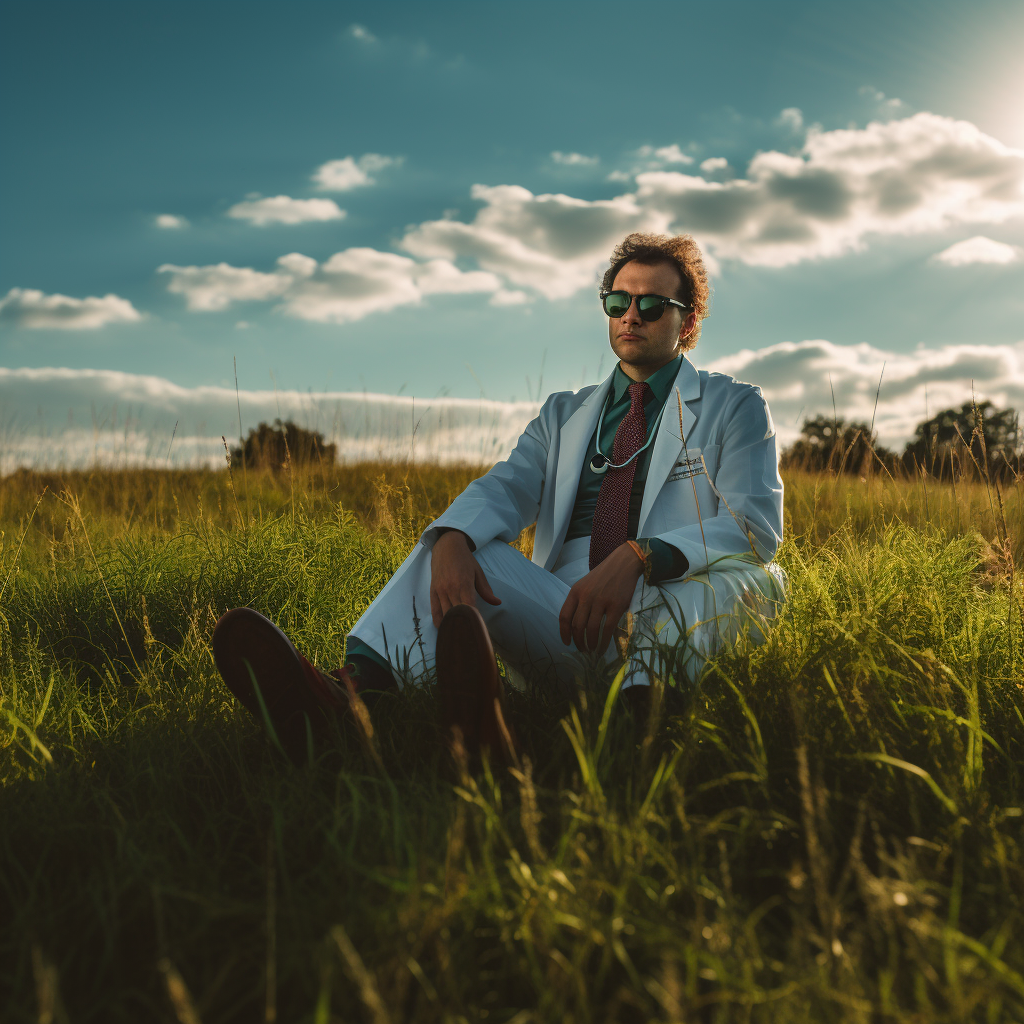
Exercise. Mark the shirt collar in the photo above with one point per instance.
(660, 382)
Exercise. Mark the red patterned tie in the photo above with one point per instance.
(611, 517)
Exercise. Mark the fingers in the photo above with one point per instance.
(579, 624)
(574, 618)
(483, 588)
(445, 594)
(444, 605)
(592, 629)
(599, 631)
(565, 617)
(456, 577)
(589, 624)
(448, 597)
(597, 602)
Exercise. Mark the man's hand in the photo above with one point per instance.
(605, 592)
(455, 576)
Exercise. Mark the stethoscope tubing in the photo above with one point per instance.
(608, 464)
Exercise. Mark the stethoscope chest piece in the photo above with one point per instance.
(600, 463)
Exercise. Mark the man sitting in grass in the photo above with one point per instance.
(655, 493)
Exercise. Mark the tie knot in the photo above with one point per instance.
(638, 392)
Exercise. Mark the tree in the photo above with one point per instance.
(830, 443)
(281, 444)
(976, 435)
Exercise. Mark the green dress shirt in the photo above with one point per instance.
(667, 562)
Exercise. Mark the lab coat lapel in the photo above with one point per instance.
(669, 444)
(573, 441)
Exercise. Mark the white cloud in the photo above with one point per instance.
(885, 106)
(574, 159)
(212, 288)
(28, 307)
(978, 249)
(505, 297)
(664, 154)
(362, 33)
(349, 173)
(792, 119)
(798, 379)
(672, 155)
(349, 286)
(920, 174)
(358, 282)
(714, 164)
(651, 158)
(441, 277)
(285, 210)
(553, 244)
(57, 417)
(170, 220)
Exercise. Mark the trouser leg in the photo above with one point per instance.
(708, 610)
(523, 628)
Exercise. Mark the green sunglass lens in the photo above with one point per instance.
(616, 304)
(650, 307)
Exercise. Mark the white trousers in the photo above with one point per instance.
(693, 617)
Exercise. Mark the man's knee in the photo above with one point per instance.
(498, 557)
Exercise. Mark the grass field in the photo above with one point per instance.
(828, 828)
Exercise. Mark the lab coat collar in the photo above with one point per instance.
(573, 443)
(673, 434)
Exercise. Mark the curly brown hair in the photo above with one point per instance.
(679, 250)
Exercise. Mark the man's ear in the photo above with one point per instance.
(687, 328)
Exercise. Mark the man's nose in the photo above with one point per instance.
(632, 315)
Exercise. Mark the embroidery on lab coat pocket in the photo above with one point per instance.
(691, 464)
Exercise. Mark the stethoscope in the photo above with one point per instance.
(600, 463)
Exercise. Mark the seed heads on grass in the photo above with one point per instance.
(178, 993)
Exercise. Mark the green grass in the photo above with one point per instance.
(828, 828)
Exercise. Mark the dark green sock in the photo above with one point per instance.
(371, 668)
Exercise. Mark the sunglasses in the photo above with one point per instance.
(650, 307)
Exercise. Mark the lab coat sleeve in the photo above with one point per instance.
(503, 502)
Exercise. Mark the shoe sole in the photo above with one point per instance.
(468, 687)
(248, 647)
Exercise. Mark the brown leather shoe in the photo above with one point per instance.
(469, 688)
(294, 697)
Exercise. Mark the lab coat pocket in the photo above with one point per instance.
(688, 494)
(695, 462)
(689, 464)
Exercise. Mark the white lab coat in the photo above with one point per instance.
(713, 491)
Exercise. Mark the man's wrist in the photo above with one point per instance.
(445, 530)
(643, 559)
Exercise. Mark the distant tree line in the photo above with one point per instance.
(975, 439)
(279, 445)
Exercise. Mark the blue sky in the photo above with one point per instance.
(416, 199)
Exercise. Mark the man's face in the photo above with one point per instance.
(646, 346)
